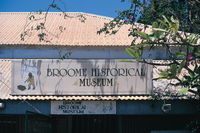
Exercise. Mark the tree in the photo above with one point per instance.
(185, 10)
(170, 24)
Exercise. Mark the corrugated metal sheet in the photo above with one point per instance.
(74, 32)
(5, 78)
(78, 98)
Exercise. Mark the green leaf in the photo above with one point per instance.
(183, 91)
(127, 60)
(154, 24)
(197, 53)
(159, 29)
(173, 20)
(130, 51)
(164, 74)
(136, 53)
(180, 54)
(165, 19)
(193, 39)
(173, 69)
(143, 35)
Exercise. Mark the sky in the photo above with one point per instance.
(98, 7)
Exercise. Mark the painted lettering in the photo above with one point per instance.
(96, 82)
(66, 72)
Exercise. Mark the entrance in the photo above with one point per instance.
(37, 123)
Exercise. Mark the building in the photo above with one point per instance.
(26, 109)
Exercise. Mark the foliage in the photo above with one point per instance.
(174, 24)
(185, 10)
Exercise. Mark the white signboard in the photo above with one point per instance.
(80, 77)
(83, 107)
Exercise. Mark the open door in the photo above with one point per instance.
(37, 123)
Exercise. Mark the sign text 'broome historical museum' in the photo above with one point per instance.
(80, 77)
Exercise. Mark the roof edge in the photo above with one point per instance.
(81, 13)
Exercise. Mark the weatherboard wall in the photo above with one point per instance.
(86, 52)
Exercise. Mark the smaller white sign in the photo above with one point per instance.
(83, 107)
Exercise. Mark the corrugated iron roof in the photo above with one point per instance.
(74, 32)
(5, 90)
(90, 98)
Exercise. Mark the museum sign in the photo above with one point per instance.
(80, 77)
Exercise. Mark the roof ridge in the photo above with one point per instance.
(82, 13)
(100, 16)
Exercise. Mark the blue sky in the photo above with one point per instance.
(99, 7)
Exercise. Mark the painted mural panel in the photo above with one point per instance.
(83, 107)
(80, 77)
